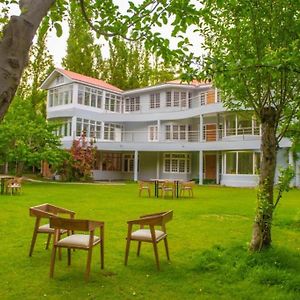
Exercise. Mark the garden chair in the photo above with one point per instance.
(13, 186)
(144, 186)
(187, 186)
(150, 234)
(168, 187)
(77, 241)
(46, 211)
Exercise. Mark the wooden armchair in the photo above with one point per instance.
(149, 235)
(46, 211)
(144, 186)
(14, 185)
(77, 241)
(168, 187)
(186, 186)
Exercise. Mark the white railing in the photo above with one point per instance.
(209, 135)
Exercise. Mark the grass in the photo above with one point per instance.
(207, 239)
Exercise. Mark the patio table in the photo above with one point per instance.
(159, 180)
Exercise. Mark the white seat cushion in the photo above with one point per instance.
(47, 229)
(145, 235)
(77, 240)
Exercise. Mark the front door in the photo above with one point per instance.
(210, 166)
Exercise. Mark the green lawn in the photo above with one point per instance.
(207, 239)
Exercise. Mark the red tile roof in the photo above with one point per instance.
(89, 80)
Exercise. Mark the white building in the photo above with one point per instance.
(170, 130)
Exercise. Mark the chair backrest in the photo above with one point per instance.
(159, 219)
(74, 224)
(143, 184)
(189, 184)
(48, 210)
(168, 184)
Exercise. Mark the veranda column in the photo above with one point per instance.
(218, 168)
(73, 128)
(200, 167)
(201, 129)
(136, 157)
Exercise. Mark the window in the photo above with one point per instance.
(128, 163)
(242, 162)
(155, 100)
(89, 96)
(183, 99)
(113, 102)
(60, 96)
(219, 96)
(176, 99)
(231, 163)
(177, 163)
(92, 128)
(112, 132)
(203, 97)
(153, 133)
(132, 104)
(65, 129)
(111, 161)
(177, 132)
(168, 99)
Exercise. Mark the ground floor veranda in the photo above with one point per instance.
(229, 168)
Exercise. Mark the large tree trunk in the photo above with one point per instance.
(14, 47)
(261, 236)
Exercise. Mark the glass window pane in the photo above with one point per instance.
(245, 163)
(231, 163)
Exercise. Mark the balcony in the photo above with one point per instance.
(188, 136)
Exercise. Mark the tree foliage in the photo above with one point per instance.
(253, 57)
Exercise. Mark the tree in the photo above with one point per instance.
(30, 144)
(253, 57)
(83, 55)
(105, 18)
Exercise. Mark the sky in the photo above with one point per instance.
(57, 45)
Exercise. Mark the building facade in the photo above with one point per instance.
(170, 130)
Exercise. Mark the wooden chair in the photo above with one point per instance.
(144, 186)
(149, 235)
(77, 241)
(46, 211)
(168, 187)
(187, 186)
(14, 186)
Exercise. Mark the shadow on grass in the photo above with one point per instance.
(277, 267)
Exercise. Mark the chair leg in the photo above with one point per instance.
(102, 254)
(127, 251)
(156, 255)
(167, 248)
(35, 232)
(139, 248)
(88, 264)
(52, 263)
(48, 240)
(59, 249)
(69, 257)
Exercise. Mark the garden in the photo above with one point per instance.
(208, 243)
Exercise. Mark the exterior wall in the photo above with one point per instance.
(148, 165)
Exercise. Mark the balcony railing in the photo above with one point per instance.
(209, 135)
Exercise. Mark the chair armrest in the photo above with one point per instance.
(150, 220)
